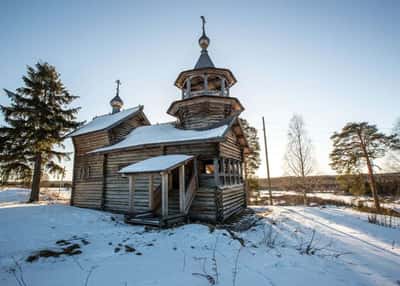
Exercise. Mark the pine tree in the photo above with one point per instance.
(357, 145)
(352, 183)
(36, 124)
(253, 160)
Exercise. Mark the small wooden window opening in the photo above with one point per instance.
(229, 171)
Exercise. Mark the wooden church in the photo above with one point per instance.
(164, 173)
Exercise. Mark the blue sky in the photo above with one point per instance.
(330, 61)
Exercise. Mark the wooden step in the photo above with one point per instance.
(156, 221)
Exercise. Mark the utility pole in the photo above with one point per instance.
(267, 163)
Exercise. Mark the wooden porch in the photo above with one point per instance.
(170, 201)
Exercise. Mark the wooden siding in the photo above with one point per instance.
(202, 150)
(117, 189)
(233, 200)
(103, 187)
(217, 204)
(91, 141)
(120, 131)
(231, 148)
(203, 206)
(88, 181)
(203, 115)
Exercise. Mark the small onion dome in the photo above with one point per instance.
(204, 41)
(116, 103)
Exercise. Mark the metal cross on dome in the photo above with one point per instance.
(118, 82)
(204, 22)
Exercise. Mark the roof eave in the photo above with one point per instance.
(112, 125)
(161, 170)
(209, 140)
(170, 108)
(199, 70)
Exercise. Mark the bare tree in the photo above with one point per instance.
(299, 159)
(392, 163)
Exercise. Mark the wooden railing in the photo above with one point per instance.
(190, 193)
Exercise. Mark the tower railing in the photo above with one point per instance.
(189, 94)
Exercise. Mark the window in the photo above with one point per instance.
(207, 167)
(84, 173)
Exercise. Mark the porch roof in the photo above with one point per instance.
(157, 164)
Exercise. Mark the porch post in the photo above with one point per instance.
(196, 171)
(228, 170)
(223, 171)
(188, 87)
(240, 173)
(232, 166)
(182, 198)
(151, 194)
(131, 193)
(237, 172)
(216, 171)
(164, 194)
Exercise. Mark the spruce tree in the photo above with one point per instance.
(358, 145)
(37, 121)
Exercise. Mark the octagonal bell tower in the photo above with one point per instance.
(206, 100)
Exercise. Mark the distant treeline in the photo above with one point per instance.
(388, 183)
(43, 184)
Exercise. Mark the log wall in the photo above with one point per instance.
(203, 151)
(231, 147)
(101, 186)
(91, 141)
(203, 206)
(87, 182)
(117, 187)
(232, 200)
(120, 131)
(204, 114)
(89, 179)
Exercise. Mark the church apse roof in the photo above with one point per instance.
(106, 121)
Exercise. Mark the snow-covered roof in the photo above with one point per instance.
(105, 121)
(165, 133)
(156, 164)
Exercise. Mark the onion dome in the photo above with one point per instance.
(117, 103)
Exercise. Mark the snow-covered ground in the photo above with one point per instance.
(286, 246)
(346, 199)
(10, 196)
